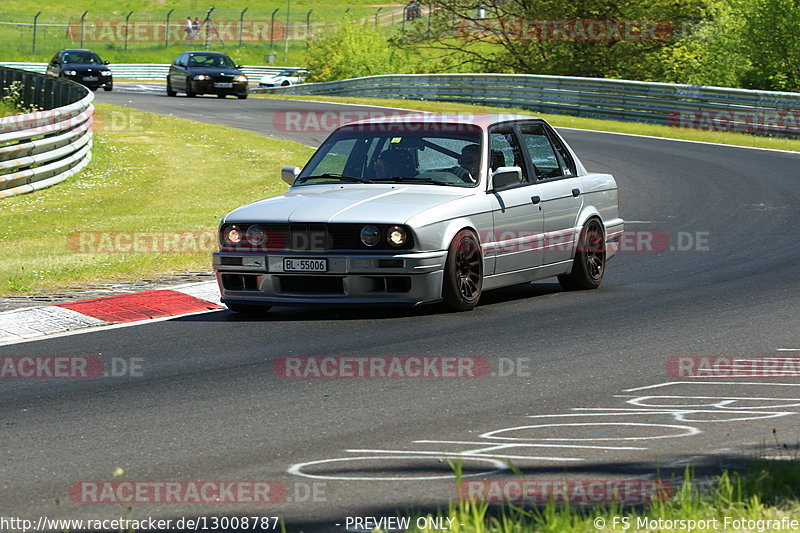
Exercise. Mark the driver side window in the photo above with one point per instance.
(506, 151)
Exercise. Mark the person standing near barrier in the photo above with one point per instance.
(188, 29)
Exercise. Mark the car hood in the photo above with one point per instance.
(85, 66)
(354, 203)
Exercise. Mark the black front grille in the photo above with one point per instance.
(315, 238)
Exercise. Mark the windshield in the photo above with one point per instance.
(210, 60)
(443, 154)
(81, 57)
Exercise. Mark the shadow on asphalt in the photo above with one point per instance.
(375, 312)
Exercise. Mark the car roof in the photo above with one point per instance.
(483, 120)
(77, 50)
(206, 52)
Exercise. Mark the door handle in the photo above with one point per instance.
(535, 200)
(576, 192)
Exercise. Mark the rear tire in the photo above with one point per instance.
(220, 96)
(248, 309)
(589, 264)
(170, 92)
(463, 273)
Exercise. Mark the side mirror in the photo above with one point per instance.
(289, 174)
(106, 63)
(505, 176)
(240, 67)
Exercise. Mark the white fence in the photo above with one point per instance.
(691, 106)
(150, 71)
(40, 149)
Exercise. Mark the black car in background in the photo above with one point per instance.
(206, 73)
(82, 66)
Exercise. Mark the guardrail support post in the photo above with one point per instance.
(272, 29)
(286, 44)
(308, 26)
(166, 28)
(376, 17)
(126, 30)
(241, 25)
(82, 19)
(34, 31)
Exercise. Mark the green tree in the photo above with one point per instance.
(597, 38)
(350, 51)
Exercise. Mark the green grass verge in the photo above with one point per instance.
(756, 500)
(149, 174)
(566, 121)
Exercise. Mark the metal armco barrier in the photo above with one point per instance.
(151, 71)
(40, 149)
(690, 106)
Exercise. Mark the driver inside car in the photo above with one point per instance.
(469, 164)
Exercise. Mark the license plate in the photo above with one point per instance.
(223, 85)
(304, 265)
(89, 78)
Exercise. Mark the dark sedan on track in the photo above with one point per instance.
(82, 66)
(196, 73)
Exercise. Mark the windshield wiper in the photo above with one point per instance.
(329, 175)
(427, 181)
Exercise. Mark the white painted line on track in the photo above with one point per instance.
(532, 445)
(470, 454)
(682, 140)
(499, 466)
(711, 383)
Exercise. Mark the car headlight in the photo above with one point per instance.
(255, 235)
(70, 73)
(105, 73)
(232, 235)
(201, 77)
(396, 236)
(370, 235)
(241, 77)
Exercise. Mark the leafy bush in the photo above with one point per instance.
(350, 51)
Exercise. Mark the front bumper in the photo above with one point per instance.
(208, 87)
(410, 278)
(100, 82)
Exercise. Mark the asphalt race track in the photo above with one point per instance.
(592, 368)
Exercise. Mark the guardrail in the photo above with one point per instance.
(698, 107)
(151, 71)
(43, 148)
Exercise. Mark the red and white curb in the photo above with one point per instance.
(35, 322)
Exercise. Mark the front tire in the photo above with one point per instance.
(241, 96)
(189, 93)
(589, 264)
(463, 273)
